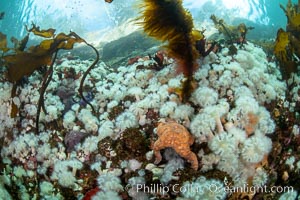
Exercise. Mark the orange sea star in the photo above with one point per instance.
(176, 136)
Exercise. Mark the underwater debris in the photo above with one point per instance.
(22, 63)
(169, 22)
(108, 1)
(287, 45)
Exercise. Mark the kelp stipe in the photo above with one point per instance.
(169, 22)
(46, 81)
(80, 90)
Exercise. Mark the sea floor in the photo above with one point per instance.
(242, 117)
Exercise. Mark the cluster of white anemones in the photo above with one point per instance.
(230, 88)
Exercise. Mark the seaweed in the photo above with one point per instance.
(229, 32)
(3, 42)
(169, 22)
(287, 45)
(20, 45)
(232, 34)
(23, 63)
(43, 33)
(292, 13)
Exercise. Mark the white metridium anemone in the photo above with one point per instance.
(126, 120)
(202, 125)
(223, 144)
(69, 119)
(167, 109)
(151, 101)
(208, 161)
(90, 144)
(239, 135)
(204, 96)
(64, 172)
(183, 112)
(89, 120)
(137, 92)
(106, 129)
(260, 177)
(246, 104)
(266, 124)
(174, 82)
(109, 182)
(112, 195)
(289, 195)
(229, 164)
(256, 147)
(201, 189)
(218, 110)
(242, 91)
(137, 108)
(225, 79)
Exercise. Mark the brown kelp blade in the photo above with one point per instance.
(23, 64)
(43, 33)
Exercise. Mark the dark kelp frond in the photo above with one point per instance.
(169, 22)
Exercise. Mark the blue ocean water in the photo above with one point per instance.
(84, 16)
